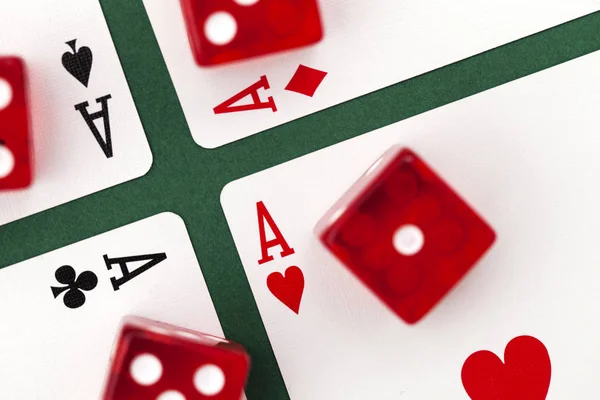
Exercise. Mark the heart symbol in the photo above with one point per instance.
(524, 375)
(287, 289)
(78, 63)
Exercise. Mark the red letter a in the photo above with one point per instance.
(228, 105)
(265, 245)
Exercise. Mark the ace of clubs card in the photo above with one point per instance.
(86, 132)
(521, 325)
(367, 45)
(60, 311)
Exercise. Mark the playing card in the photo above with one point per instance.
(367, 45)
(524, 155)
(60, 311)
(86, 132)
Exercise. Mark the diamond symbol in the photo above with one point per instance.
(306, 80)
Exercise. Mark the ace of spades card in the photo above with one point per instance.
(63, 308)
(522, 325)
(367, 45)
(86, 132)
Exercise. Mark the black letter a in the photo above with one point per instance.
(90, 118)
(152, 260)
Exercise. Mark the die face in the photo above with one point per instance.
(15, 154)
(406, 234)
(159, 361)
(222, 31)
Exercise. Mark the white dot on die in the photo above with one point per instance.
(209, 380)
(6, 93)
(146, 369)
(171, 395)
(246, 2)
(408, 240)
(220, 28)
(7, 161)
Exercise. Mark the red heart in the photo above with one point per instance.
(524, 375)
(288, 289)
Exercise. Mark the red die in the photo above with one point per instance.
(405, 233)
(15, 157)
(157, 361)
(221, 31)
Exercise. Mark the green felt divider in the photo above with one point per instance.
(187, 179)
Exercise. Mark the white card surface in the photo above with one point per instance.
(49, 351)
(525, 155)
(69, 162)
(368, 45)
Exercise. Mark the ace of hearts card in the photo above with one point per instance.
(367, 45)
(86, 133)
(521, 325)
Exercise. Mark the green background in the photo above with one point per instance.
(187, 179)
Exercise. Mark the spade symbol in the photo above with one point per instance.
(79, 62)
(74, 285)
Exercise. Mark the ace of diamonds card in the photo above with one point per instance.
(367, 45)
(86, 133)
(522, 325)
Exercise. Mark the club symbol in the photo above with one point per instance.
(74, 298)
(79, 62)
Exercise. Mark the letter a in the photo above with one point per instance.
(228, 105)
(106, 146)
(152, 260)
(265, 245)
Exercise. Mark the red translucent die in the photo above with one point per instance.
(405, 233)
(157, 361)
(16, 161)
(222, 31)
